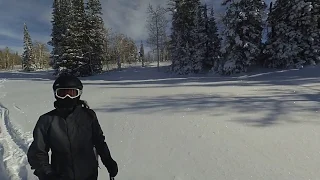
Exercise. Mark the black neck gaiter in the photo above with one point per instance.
(66, 106)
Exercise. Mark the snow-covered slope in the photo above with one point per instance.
(161, 126)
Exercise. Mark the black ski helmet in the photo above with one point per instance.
(67, 81)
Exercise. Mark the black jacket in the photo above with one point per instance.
(72, 141)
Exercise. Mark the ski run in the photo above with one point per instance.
(162, 126)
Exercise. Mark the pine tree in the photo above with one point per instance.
(95, 34)
(60, 37)
(58, 30)
(294, 41)
(194, 36)
(214, 42)
(184, 38)
(81, 65)
(303, 23)
(68, 38)
(278, 45)
(28, 57)
(201, 39)
(314, 31)
(142, 54)
(54, 34)
(176, 46)
(243, 34)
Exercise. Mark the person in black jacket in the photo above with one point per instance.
(73, 134)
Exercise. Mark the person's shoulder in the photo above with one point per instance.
(46, 118)
(89, 110)
(48, 114)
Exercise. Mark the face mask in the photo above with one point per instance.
(67, 102)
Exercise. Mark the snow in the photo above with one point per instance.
(162, 126)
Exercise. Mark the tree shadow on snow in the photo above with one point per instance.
(34, 76)
(149, 77)
(284, 92)
(271, 108)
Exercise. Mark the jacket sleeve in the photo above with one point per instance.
(37, 154)
(102, 147)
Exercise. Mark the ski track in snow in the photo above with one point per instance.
(13, 147)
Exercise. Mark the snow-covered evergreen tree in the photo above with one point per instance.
(185, 37)
(27, 57)
(176, 46)
(315, 32)
(280, 47)
(195, 36)
(77, 35)
(142, 54)
(200, 37)
(95, 34)
(243, 34)
(214, 42)
(294, 40)
(60, 20)
(62, 39)
(69, 38)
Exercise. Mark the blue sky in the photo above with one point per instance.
(124, 16)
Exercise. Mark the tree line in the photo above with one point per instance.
(196, 44)
(36, 55)
(9, 59)
(81, 44)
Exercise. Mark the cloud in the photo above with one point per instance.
(128, 17)
(18, 49)
(9, 34)
(14, 13)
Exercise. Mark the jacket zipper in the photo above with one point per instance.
(74, 173)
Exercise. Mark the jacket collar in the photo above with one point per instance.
(66, 112)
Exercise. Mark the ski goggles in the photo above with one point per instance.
(72, 93)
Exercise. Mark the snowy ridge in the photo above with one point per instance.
(13, 149)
